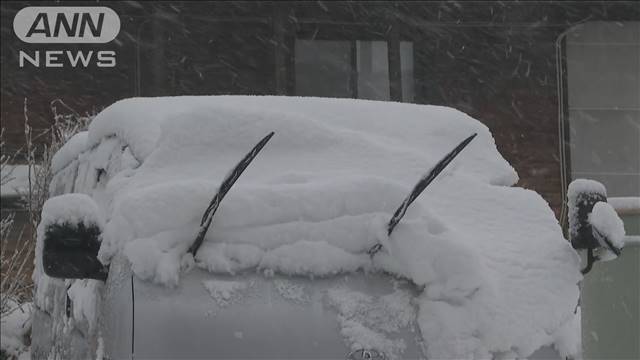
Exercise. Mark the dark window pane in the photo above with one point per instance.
(323, 68)
(373, 70)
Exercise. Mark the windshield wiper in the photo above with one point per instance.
(227, 183)
(419, 188)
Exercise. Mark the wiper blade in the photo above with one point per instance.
(419, 188)
(226, 185)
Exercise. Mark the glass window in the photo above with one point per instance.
(373, 70)
(406, 68)
(323, 68)
(603, 79)
(355, 69)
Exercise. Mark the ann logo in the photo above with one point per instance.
(70, 27)
(66, 24)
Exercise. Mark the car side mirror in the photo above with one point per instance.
(593, 224)
(71, 238)
(583, 195)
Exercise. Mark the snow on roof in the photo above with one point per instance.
(498, 275)
(367, 128)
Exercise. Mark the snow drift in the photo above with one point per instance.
(498, 276)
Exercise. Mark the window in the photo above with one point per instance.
(603, 79)
(373, 70)
(355, 69)
(323, 68)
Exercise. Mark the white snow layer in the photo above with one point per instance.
(568, 341)
(15, 326)
(498, 276)
(607, 223)
(15, 180)
(579, 186)
(71, 149)
(71, 209)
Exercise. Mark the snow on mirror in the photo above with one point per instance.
(593, 224)
(70, 231)
(491, 270)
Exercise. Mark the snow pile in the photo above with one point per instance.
(14, 328)
(607, 226)
(71, 149)
(71, 209)
(497, 274)
(579, 186)
(568, 340)
(229, 258)
(491, 286)
(225, 123)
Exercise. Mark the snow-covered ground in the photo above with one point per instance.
(498, 276)
(17, 177)
(14, 326)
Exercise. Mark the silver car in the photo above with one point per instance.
(86, 309)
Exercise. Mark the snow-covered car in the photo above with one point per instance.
(477, 268)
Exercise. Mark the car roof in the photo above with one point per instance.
(147, 124)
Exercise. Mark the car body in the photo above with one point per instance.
(148, 309)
